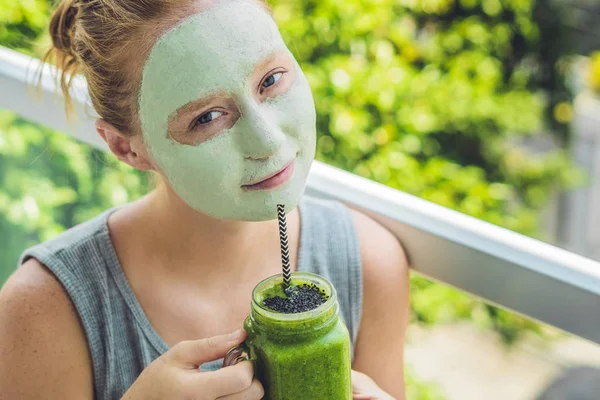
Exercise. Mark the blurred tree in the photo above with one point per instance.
(22, 22)
(49, 182)
(432, 97)
(594, 72)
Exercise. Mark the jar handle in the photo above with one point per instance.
(236, 355)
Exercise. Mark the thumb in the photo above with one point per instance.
(198, 352)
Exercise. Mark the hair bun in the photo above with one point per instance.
(62, 26)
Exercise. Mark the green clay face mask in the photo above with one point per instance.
(218, 51)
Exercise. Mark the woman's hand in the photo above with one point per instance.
(176, 374)
(364, 388)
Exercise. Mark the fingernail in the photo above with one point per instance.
(235, 335)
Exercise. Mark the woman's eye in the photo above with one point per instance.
(271, 80)
(208, 117)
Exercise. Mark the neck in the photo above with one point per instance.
(187, 243)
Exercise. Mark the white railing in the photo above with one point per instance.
(504, 268)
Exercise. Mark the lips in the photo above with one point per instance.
(273, 180)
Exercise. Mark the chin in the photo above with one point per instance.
(262, 206)
(252, 209)
(270, 212)
(266, 210)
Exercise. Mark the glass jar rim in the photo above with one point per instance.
(310, 277)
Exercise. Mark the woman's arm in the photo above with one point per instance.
(43, 351)
(380, 343)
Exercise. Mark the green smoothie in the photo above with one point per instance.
(303, 355)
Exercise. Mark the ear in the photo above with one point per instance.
(128, 149)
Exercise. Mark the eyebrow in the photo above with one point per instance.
(193, 105)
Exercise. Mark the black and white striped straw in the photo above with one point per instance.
(285, 251)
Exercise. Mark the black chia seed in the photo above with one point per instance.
(300, 298)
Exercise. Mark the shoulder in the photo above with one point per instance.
(42, 346)
(31, 296)
(382, 255)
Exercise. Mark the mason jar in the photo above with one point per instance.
(297, 356)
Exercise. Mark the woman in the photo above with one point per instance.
(128, 305)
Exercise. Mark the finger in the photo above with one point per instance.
(198, 352)
(254, 392)
(228, 380)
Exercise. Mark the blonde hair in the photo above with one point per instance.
(97, 38)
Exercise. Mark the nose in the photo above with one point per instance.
(260, 137)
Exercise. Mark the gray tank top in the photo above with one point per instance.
(121, 340)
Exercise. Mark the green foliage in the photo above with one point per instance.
(22, 22)
(594, 72)
(430, 97)
(417, 390)
(433, 304)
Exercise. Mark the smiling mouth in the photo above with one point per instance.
(274, 180)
